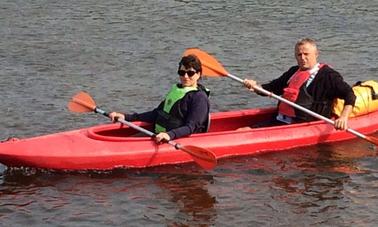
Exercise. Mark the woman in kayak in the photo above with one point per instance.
(185, 109)
(310, 84)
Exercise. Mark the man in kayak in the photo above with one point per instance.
(309, 84)
(185, 109)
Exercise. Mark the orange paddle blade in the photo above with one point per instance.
(81, 102)
(210, 65)
(372, 140)
(203, 157)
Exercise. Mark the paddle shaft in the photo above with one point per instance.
(316, 115)
(136, 127)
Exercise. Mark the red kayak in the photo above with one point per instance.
(112, 146)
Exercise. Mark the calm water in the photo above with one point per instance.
(125, 54)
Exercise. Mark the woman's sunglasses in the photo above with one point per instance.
(189, 72)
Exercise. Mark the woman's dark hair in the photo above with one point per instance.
(191, 61)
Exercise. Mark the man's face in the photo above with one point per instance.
(306, 55)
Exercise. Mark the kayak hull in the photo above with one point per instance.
(110, 146)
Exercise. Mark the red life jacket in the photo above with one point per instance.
(291, 92)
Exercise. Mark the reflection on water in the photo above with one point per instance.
(187, 193)
(195, 204)
(312, 194)
(317, 182)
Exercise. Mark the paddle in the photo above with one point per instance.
(82, 102)
(211, 67)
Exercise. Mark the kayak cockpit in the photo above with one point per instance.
(227, 121)
(117, 132)
(234, 120)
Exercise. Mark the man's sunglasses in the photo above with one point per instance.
(189, 72)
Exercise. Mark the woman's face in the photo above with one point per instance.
(188, 77)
